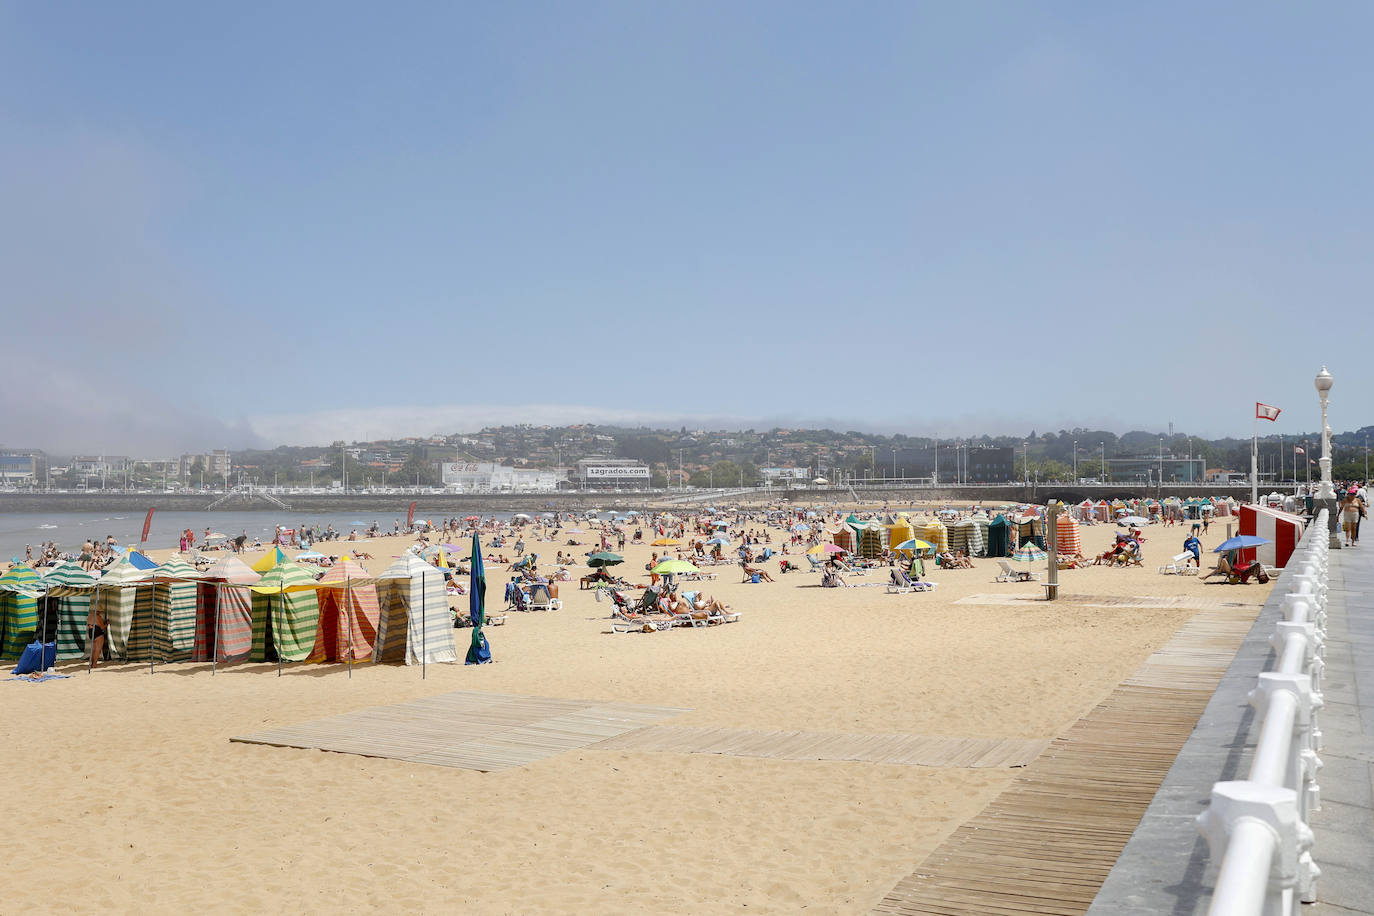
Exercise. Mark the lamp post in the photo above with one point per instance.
(1104, 461)
(1326, 491)
(1075, 461)
(1025, 462)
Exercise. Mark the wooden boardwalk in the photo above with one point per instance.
(475, 731)
(1045, 845)
(905, 750)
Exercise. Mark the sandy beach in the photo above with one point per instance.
(130, 786)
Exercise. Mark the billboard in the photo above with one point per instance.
(615, 472)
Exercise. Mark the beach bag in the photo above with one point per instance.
(37, 657)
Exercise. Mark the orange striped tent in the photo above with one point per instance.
(348, 612)
(1066, 536)
(224, 612)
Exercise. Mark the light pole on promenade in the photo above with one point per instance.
(1326, 491)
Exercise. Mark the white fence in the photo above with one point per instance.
(1257, 828)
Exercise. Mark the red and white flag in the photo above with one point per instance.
(1265, 412)
(1299, 450)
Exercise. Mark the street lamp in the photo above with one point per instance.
(1075, 461)
(1025, 461)
(1104, 461)
(1325, 488)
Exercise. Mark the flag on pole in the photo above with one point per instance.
(147, 525)
(1265, 412)
(410, 516)
(1299, 449)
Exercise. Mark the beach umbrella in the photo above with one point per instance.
(605, 558)
(915, 544)
(140, 561)
(479, 651)
(310, 555)
(1028, 553)
(826, 548)
(722, 541)
(1240, 542)
(800, 527)
(665, 542)
(267, 562)
(672, 567)
(520, 515)
(1132, 521)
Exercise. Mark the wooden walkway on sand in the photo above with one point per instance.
(475, 731)
(1046, 844)
(905, 750)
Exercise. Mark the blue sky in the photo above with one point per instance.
(300, 222)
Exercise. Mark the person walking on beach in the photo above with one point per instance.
(1194, 546)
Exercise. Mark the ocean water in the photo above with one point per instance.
(70, 529)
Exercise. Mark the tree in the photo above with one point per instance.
(417, 468)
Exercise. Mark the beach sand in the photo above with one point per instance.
(127, 796)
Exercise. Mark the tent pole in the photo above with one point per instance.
(152, 613)
(276, 631)
(214, 646)
(424, 654)
(348, 603)
(90, 629)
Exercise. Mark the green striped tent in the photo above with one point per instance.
(174, 611)
(125, 596)
(18, 609)
(286, 614)
(414, 622)
(70, 589)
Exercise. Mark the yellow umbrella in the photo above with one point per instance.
(668, 567)
(665, 542)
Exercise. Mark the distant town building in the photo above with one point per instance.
(623, 473)
(774, 474)
(975, 465)
(485, 477)
(1147, 470)
(20, 470)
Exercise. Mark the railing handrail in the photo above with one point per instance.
(1257, 827)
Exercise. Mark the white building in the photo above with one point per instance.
(784, 473)
(486, 476)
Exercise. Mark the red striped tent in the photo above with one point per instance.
(348, 610)
(225, 603)
(1282, 530)
(1066, 536)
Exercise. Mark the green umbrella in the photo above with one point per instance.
(605, 558)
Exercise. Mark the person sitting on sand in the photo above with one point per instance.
(1223, 568)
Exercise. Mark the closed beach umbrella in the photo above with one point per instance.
(479, 651)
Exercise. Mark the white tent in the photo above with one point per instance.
(414, 624)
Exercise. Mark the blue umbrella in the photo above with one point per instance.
(724, 542)
(800, 527)
(479, 652)
(1240, 542)
(139, 561)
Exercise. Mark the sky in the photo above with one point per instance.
(254, 224)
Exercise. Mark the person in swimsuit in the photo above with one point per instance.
(98, 623)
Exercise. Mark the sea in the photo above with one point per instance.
(70, 529)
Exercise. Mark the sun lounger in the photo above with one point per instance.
(902, 584)
(1011, 574)
(1179, 566)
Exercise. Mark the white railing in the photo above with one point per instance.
(1257, 828)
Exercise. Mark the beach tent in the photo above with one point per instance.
(899, 532)
(174, 611)
(271, 560)
(999, 537)
(1030, 529)
(224, 618)
(1085, 510)
(935, 533)
(871, 540)
(1282, 530)
(1067, 539)
(970, 536)
(19, 590)
(348, 614)
(844, 538)
(124, 594)
(981, 522)
(414, 624)
(68, 600)
(286, 614)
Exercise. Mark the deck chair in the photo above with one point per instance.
(902, 584)
(1011, 574)
(1179, 566)
(816, 565)
(540, 600)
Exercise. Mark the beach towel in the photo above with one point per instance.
(37, 656)
(39, 678)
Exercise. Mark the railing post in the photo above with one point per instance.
(1254, 831)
